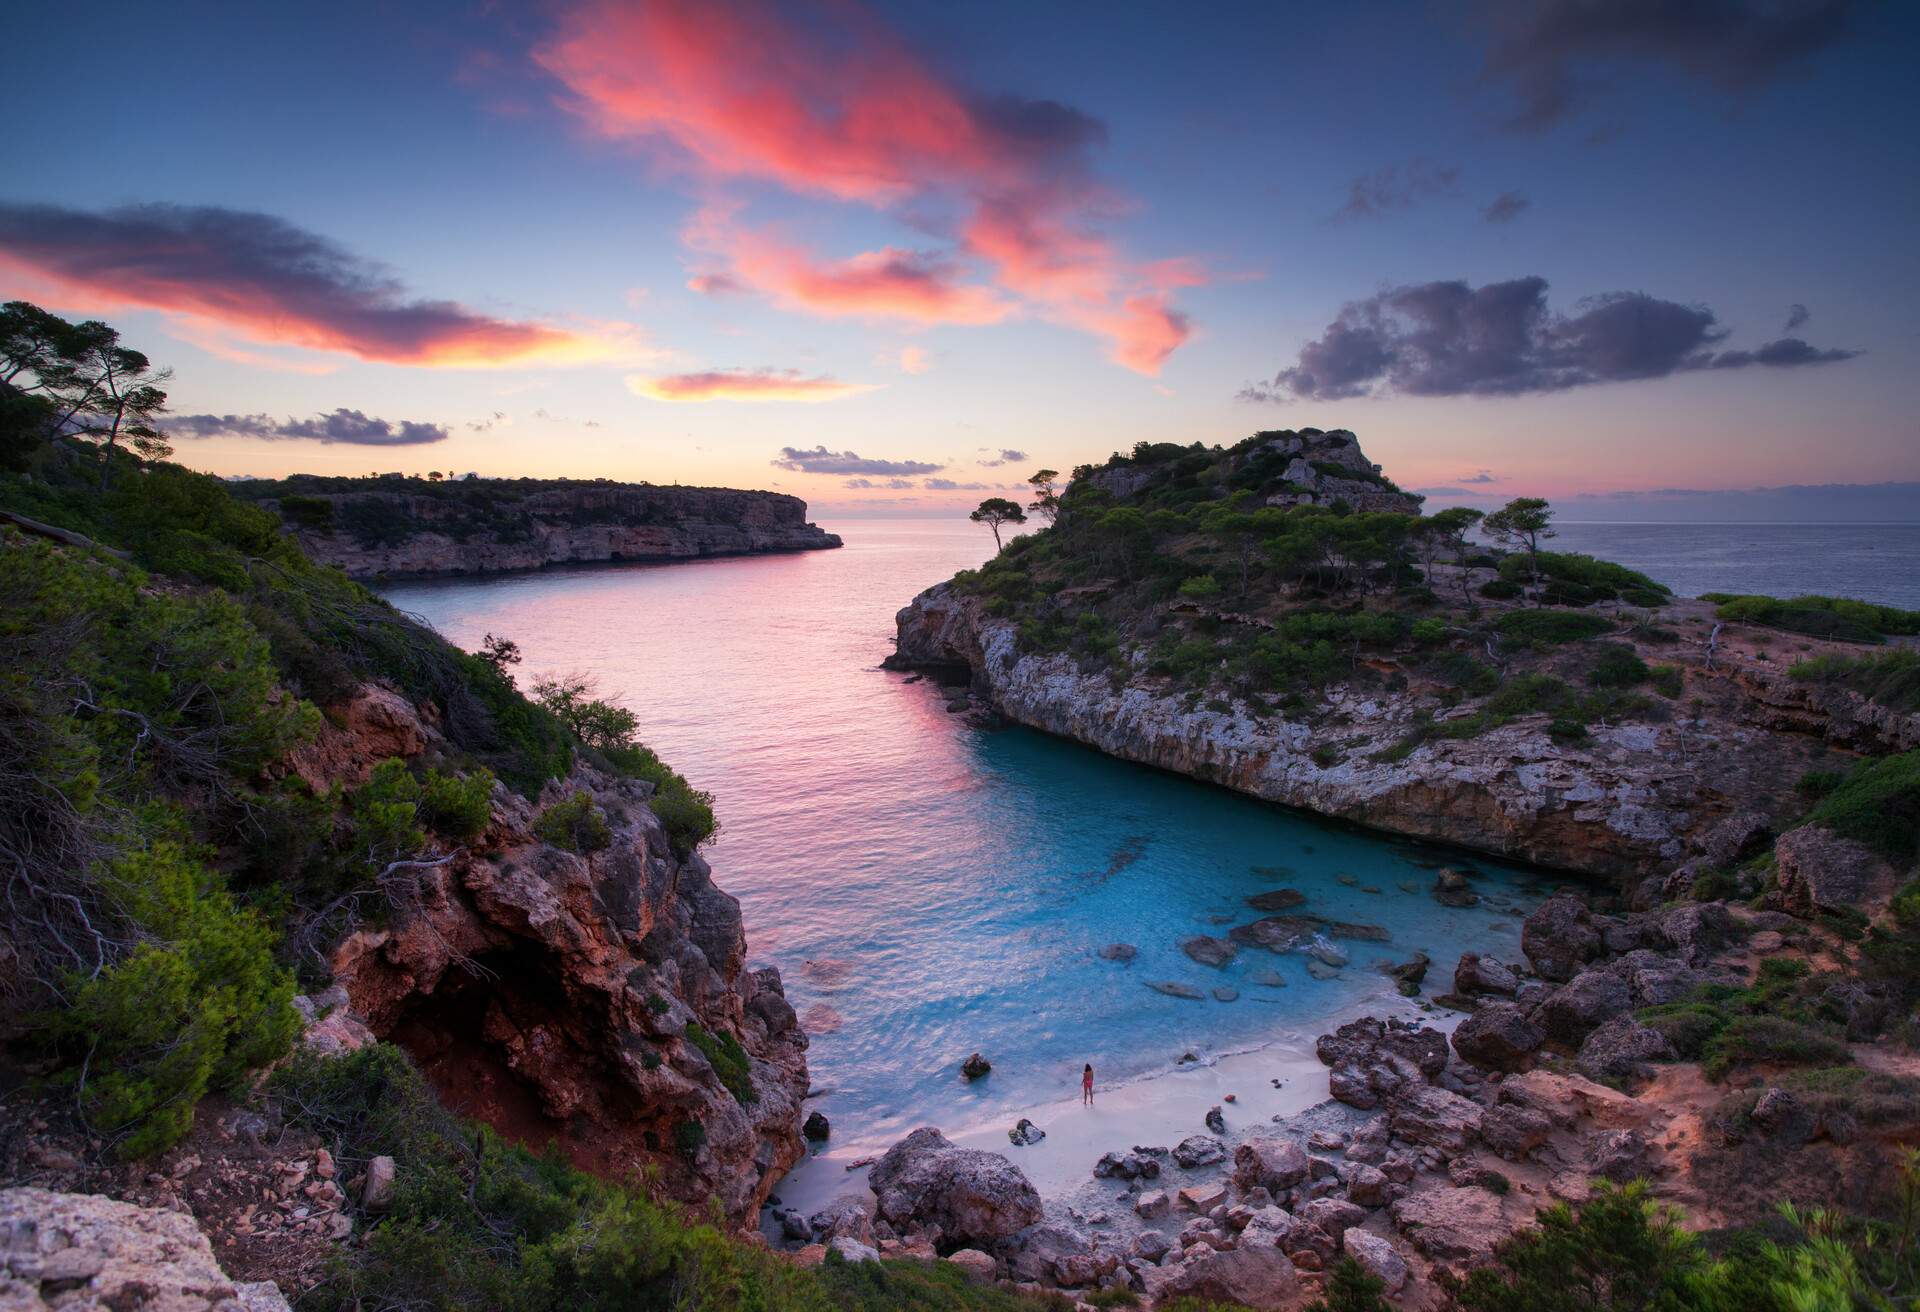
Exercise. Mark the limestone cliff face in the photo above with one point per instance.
(1630, 801)
(462, 528)
(590, 1001)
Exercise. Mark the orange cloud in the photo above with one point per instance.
(744, 385)
(829, 103)
(265, 279)
(914, 286)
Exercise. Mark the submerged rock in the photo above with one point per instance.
(1175, 989)
(1119, 952)
(1278, 899)
(1209, 951)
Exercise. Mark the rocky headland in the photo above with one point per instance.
(395, 527)
(1436, 716)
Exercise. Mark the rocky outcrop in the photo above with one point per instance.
(967, 1197)
(1821, 871)
(87, 1253)
(602, 1003)
(481, 526)
(1629, 801)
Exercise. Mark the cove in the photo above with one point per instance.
(929, 890)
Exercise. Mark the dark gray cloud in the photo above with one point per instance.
(1545, 50)
(822, 461)
(1395, 187)
(260, 273)
(1451, 339)
(351, 427)
(948, 485)
(1007, 456)
(1797, 316)
(1483, 476)
(1505, 208)
(1781, 353)
(895, 483)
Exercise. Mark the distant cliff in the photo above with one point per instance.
(410, 526)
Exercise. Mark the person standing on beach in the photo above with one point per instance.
(1086, 1086)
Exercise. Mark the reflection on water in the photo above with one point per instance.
(930, 890)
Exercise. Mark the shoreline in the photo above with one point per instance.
(1277, 1081)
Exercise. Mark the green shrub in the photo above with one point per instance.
(1892, 679)
(1202, 587)
(1430, 632)
(457, 806)
(1620, 1250)
(1820, 617)
(1769, 1039)
(1550, 627)
(195, 1006)
(307, 512)
(1688, 1026)
(1615, 666)
(575, 824)
(1877, 804)
(1500, 589)
(1668, 680)
(1352, 1288)
(685, 811)
(728, 1059)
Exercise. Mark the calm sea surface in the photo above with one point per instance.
(930, 890)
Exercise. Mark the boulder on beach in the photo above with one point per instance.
(1199, 1150)
(1498, 1036)
(1273, 1164)
(974, 1197)
(816, 1127)
(1025, 1133)
(1215, 1121)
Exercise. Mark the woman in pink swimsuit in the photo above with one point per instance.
(1086, 1086)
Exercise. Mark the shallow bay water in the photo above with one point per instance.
(930, 890)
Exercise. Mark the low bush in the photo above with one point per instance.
(1821, 617)
(1550, 627)
(1878, 803)
(575, 824)
(1892, 679)
(728, 1059)
(1615, 666)
(1746, 1039)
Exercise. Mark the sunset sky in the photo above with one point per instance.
(892, 257)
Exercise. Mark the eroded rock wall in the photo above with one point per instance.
(590, 1001)
(1631, 800)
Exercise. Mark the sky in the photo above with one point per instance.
(893, 258)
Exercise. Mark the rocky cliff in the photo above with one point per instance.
(599, 1001)
(474, 526)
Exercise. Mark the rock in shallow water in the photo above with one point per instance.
(975, 1066)
(1175, 989)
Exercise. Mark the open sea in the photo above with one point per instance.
(930, 890)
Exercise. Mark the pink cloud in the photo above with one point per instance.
(839, 107)
(744, 385)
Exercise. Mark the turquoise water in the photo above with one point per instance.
(929, 890)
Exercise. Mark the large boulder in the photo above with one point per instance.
(1477, 975)
(849, 1216)
(974, 1197)
(1378, 1258)
(1622, 1049)
(1513, 1131)
(1253, 1273)
(1498, 1036)
(1375, 1061)
(1453, 1225)
(1559, 938)
(1199, 1150)
(1269, 1163)
(1821, 871)
(1432, 1116)
(1696, 929)
(88, 1253)
(1582, 1005)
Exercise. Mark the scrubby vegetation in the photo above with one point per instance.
(1892, 679)
(1877, 803)
(480, 1223)
(1820, 617)
(162, 644)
